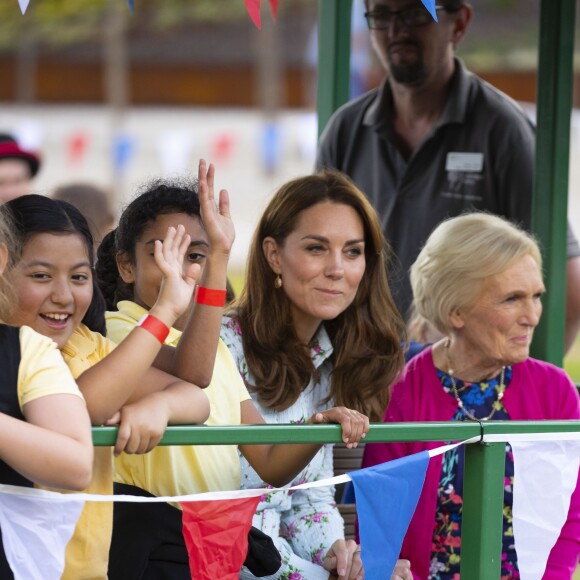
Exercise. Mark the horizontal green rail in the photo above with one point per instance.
(248, 434)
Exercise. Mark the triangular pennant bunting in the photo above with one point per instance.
(253, 8)
(545, 476)
(36, 524)
(216, 536)
(274, 8)
(35, 532)
(430, 5)
(387, 493)
(23, 5)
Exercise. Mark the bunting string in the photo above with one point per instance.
(546, 466)
(206, 496)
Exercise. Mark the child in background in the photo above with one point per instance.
(56, 295)
(95, 205)
(141, 551)
(45, 432)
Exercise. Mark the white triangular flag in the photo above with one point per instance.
(35, 532)
(545, 475)
(174, 148)
(29, 134)
(23, 5)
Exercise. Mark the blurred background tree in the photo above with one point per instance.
(51, 26)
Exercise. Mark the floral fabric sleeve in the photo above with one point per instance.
(231, 335)
(302, 524)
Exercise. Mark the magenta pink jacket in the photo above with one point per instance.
(537, 390)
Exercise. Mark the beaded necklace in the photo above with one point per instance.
(500, 389)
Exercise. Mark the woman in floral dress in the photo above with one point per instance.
(314, 327)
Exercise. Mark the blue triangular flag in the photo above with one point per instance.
(131, 5)
(386, 498)
(123, 150)
(430, 5)
(271, 150)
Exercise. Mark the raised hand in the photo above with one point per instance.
(178, 281)
(354, 425)
(216, 219)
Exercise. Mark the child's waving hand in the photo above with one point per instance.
(179, 278)
(216, 218)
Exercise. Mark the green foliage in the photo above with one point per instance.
(572, 362)
(50, 21)
(174, 12)
(60, 22)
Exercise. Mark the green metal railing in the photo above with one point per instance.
(484, 467)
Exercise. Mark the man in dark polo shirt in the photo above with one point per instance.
(435, 140)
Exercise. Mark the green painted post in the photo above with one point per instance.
(550, 201)
(482, 511)
(333, 57)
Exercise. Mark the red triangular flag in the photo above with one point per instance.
(77, 146)
(216, 536)
(274, 8)
(253, 8)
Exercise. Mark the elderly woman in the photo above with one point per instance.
(478, 280)
(315, 326)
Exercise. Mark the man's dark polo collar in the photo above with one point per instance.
(376, 115)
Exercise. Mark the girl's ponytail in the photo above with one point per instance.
(107, 274)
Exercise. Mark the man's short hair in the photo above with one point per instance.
(453, 5)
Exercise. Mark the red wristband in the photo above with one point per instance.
(210, 297)
(158, 329)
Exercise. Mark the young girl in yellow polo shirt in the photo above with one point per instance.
(45, 432)
(150, 548)
(55, 294)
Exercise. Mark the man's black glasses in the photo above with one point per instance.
(411, 17)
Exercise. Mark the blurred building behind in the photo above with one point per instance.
(178, 55)
(114, 98)
(205, 61)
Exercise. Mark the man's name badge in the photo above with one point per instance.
(464, 162)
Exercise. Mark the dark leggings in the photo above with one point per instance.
(147, 542)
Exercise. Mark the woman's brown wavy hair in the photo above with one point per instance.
(366, 337)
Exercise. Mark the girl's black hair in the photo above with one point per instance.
(158, 197)
(37, 214)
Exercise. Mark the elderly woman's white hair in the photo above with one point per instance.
(458, 256)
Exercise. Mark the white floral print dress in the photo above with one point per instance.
(303, 524)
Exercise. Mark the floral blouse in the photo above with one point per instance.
(304, 524)
(479, 399)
